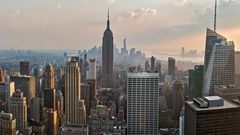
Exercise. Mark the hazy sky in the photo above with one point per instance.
(148, 24)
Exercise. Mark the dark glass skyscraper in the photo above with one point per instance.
(107, 57)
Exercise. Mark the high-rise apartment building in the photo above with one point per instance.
(7, 124)
(24, 67)
(75, 112)
(195, 80)
(142, 103)
(6, 91)
(171, 67)
(25, 84)
(107, 58)
(18, 107)
(211, 115)
(219, 62)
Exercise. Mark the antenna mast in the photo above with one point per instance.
(215, 15)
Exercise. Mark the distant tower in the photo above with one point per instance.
(147, 66)
(183, 51)
(171, 67)
(107, 57)
(75, 112)
(18, 107)
(92, 82)
(153, 63)
(24, 67)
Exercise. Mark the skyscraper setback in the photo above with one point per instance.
(107, 57)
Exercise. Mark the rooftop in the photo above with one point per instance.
(227, 105)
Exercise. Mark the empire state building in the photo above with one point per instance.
(107, 58)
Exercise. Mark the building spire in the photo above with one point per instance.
(108, 22)
(215, 15)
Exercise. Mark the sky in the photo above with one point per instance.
(159, 25)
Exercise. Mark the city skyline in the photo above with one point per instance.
(64, 25)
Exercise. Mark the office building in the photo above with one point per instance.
(24, 68)
(75, 112)
(171, 67)
(92, 70)
(237, 63)
(7, 124)
(178, 96)
(59, 107)
(18, 107)
(219, 67)
(36, 108)
(142, 103)
(211, 115)
(49, 77)
(25, 84)
(195, 80)
(85, 95)
(6, 91)
(153, 64)
(52, 122)
(228, 92)
(107, 58)
(2, 79)
(50, 98)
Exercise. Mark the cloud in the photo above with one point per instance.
(141, 12)
(183, 2)
(59, 7)
(111, 1)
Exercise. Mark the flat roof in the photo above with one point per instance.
(227, 105)
(213, 98)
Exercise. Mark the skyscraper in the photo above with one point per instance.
(153, 64)
(49, 91)
(24, 67)
(49, 77)
(27, 84)
(75, 112)
(92, 82)
(1, 76)
(6, 91)
(52, 122)
(211, 115)
(178, 92)
(195, 80)
(219, 62)
(107, 57)
(142, 103)
(18, 107)
(7, 124)
(50, 98)
(171, 67)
